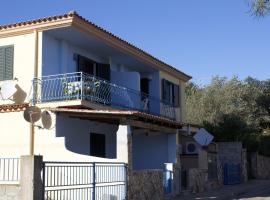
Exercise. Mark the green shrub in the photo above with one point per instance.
(264, 146)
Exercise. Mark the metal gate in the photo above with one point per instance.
(232, 174)
(84, 181)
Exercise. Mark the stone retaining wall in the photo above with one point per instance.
(146, 184)
(197, 179)
(230, 152)
(233, 153)
(260, 166)
(218, 182)
(9, 192)
(244, 166)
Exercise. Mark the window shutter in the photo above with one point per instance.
(6, 62)
(167, 91)
(103, 71)
(163, 89)
(80, 63)
(85, 65)
(9, 51)
(176, 92)
(2, 63)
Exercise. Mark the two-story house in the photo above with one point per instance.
(102, 98)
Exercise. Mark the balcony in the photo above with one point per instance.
(81, 86)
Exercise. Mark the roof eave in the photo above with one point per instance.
(90, 28)
(73, 19)
(35, 25)
(122, 113)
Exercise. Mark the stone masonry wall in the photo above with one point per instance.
(244, 166)
(197, 179)
(230, 152)
(218, 182)
(233, 153)
(146, 185)
(219, 171)
(260, 166)
(9, 192)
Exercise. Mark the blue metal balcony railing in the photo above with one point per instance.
(80, 86)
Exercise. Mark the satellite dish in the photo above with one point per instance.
(203, 138)
(32, 114)
(7, 90)
(46, 118)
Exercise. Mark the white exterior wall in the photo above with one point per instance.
(54, 57)
(14, 134)
(58, 56)
(130, 80)
(23, 66)
(172, 144)
(153, 150)
(69, 141)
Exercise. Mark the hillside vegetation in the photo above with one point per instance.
(233, 110)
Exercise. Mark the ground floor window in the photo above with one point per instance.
(97, 145)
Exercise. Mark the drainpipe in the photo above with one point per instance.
(36, 54)
(188, 129)
(32, 127)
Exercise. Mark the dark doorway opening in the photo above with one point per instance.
(97, 145)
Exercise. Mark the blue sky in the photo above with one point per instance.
(201, 38)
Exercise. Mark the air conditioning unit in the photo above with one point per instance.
(191, 148)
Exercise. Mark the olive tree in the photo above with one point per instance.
(260, 7)
(232, 109)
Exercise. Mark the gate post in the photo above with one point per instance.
(94, 182)
(126, 180)
(31, 183)
(43, 180)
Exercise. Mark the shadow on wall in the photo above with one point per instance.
(150, 151)
(19, 96)
(77, 134)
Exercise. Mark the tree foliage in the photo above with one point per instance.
(233, 110)
(260, 7)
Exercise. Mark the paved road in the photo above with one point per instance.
(252, 190)
(261, 192)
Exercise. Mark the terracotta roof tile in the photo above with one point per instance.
(13, 107)
(35, 21)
